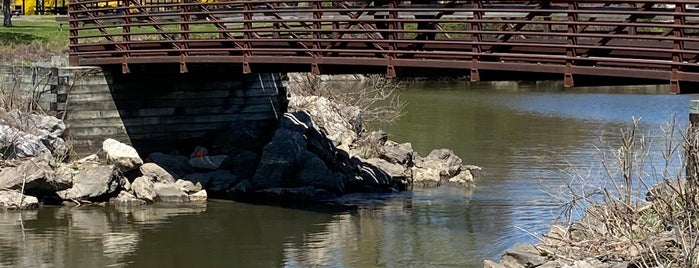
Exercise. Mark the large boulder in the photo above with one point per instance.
(31, 135)
(278, 164)
(428, 177)
(314, 172)
(170, 193)
(143, 188)
(91, 181)
(121, 155)
(36, 175)
(240, 136)
(156, 172)
(188, 186)
(175, 164)
(12, 199)
(398, 153)
(213, 181)
(199, 196)
(342, 123)
(443, 160)
(393, 170)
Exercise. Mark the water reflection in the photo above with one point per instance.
(524, 135)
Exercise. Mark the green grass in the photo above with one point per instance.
(31, 29)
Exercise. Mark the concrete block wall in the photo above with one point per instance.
(151, 111)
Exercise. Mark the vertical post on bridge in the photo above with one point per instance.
(677, 47)
(247, 35)
(317, 27)
(476, 49)
(571, 43)
(392, 47)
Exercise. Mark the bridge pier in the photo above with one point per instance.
(161, 111)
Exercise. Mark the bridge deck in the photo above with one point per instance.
(656, 40)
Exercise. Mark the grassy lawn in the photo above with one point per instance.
(33, 38)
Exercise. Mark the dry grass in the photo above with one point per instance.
(626, 219)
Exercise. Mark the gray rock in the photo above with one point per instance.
(121, 155)
(89, 158)
(11, 199)
(31, 135)
(189, 186)
(523, 255)
(170, 193)
(341, 122)
(15, 143)
(393, 170)
(128, 200)
(492, 264)
(199, 196)
(156, 172)
(443, 160)
(175, 164)
(462, 179)
(91, 181)
(213, 181)
(125, 184)
(398, 153)
(36, 174)
(144, 189)
(428, 177)
(210, 162)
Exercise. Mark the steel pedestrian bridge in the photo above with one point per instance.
(577, 41)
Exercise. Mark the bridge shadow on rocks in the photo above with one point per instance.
(299, 164)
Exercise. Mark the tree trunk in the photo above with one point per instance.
(7, 13)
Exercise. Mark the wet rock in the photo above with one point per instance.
(144, 188)
(156, 172)
(91, 181)
(14, 200)
(188, 186)
(175, 164)
(462, 179)
(170, 193)
(199, 196)
(36, 175)
(308, 193)
(278, 163)
(127, 199)
(213, 181)
(121, 155)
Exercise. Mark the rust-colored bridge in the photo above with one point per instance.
(589, 40)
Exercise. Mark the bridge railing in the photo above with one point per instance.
(630, 38)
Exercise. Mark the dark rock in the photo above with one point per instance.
(308, 193)
(12, 199)
(208, 162)
(241, 190)
(214, 181)
(170, 193)
(92, 181)
(175, 164)
(128, 200)
(156, 172)
(36, 174)
(371, 175)
(314, 172)
(278, 164)
(240, 136)
(144, 188)
(245, 164)
(297, 121)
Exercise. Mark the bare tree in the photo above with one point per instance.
(7, 13)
